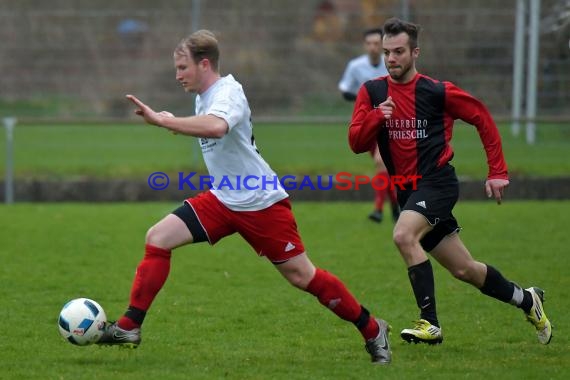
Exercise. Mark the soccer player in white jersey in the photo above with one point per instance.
(359, 70)
(259, 210)
(367, 66)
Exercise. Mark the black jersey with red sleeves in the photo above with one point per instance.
(416, 139)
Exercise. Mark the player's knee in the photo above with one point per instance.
(403, 239)
(154, 237)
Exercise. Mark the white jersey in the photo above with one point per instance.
(358, 71)
(242, 180)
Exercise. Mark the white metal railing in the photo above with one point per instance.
(9, 124)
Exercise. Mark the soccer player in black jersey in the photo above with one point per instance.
(411, 117)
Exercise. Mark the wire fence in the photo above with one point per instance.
(69, 60)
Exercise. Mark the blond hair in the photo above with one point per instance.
(200, 45)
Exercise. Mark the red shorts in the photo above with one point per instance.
(272, 232)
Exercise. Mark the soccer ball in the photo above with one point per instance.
(82, 321)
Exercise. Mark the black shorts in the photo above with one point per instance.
(434, 197)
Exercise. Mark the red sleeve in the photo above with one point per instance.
(363, 129)
(461, 105)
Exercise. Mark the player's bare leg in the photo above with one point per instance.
(452, 254)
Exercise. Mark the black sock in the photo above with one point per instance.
(363, 318)
(136, 315)
(421, 278)
(498, 287)
(527, 301)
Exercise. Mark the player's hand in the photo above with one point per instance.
(495, 188)
(146, 112)
(387, 107)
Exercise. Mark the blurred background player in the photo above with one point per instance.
(359, 70)
(259, 211)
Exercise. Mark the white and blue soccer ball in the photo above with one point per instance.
(82, 321)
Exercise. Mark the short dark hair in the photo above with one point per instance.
(395, 26)
(368, 32)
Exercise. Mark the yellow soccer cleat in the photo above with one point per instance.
(422, 332)
(537, 316)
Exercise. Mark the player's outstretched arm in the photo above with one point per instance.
(197, 126)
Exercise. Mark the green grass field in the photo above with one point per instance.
(226, 314)
(136, 150)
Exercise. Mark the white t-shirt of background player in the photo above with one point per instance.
(233, 161)
(358, 71)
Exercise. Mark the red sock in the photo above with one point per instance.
(380, 193)
(371, 330)
(150, 276)
(332, 293)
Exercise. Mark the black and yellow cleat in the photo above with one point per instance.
(537, 316)
(423, 332)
